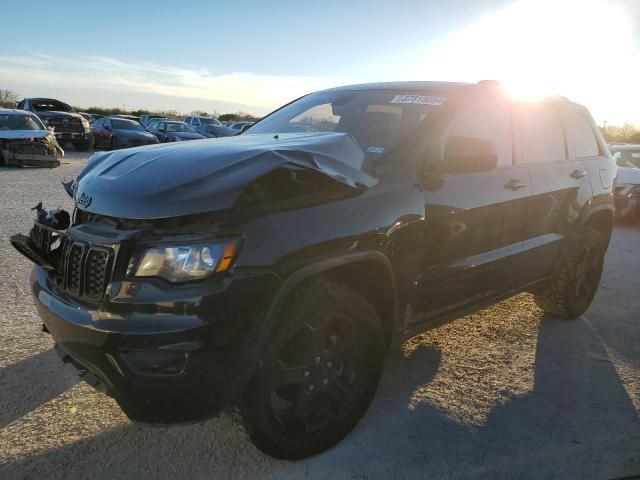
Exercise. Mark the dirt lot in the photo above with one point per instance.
(503, 393)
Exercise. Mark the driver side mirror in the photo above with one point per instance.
(107, 128)
(469, 154)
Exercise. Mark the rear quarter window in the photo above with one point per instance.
(580, 135)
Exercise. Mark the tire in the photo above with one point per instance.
(572, 288)
(320, 371)
(83, 147)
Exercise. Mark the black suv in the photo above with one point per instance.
(69, 126)
(272, 270)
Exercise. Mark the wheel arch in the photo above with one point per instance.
(601, 218)
(357, 271)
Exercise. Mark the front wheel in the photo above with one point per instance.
(83, 147)
(572, 288)
(320, 371)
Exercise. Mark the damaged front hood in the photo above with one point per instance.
(22, 134)
(200, 176)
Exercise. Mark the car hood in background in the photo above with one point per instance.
(177, 179)
(185, 135)
(628, 176)
(52, 113)
(133, 134)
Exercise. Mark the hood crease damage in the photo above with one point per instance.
(209, 175)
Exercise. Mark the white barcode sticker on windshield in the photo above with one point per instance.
(419, 99)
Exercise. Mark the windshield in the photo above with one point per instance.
(377, 119)
(627, 158)
(51, 105)
(126, 125)
(20, 122)
(178, 127)
(209, 121)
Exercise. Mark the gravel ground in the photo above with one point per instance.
(503, 393)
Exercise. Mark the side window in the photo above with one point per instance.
(196, 121)
(107, 124)
(580, 135)
(20, 105)
(487, 120)
(541, 134)
(188, 120)
(98, 124)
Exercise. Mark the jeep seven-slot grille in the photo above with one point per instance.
(85, 269)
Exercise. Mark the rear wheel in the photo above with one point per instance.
(571, 290)
(321, 368)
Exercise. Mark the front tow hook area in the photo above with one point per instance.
(85, 374)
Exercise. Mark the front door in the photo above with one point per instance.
(474, 222)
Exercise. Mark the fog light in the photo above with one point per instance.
(156, 363)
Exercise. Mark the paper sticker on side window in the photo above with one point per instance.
(419, 99)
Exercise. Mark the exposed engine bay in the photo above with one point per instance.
(30, 149)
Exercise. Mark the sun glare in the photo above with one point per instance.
(579, 48)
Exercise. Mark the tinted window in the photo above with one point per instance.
(541, 134)
(488, 120)
(627, 158)
(379, 120)
(98, 123)
(580, 135)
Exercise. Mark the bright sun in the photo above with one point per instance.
(583, 49)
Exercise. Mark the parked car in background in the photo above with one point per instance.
(127, 117)
(195, 121)
(146, 119)
(116, 132)
(25, 141)
(210, 130)
(627, 195)
(272, 270)
(69, 126)
(240, 125)
(173, 131)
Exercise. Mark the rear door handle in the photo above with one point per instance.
(515, 184)
(578, 174)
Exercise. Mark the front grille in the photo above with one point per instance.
(85, 269)
(30, 149)
(66, 124)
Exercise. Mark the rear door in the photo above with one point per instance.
(474, 221)
(560, 185)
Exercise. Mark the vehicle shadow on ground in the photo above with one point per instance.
(569, 425)
(42, 374)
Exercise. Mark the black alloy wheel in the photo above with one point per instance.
(320, 372)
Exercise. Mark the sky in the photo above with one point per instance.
(254, 56)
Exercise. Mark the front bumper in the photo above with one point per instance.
(85, 137)
(166, 355)
(626, 207)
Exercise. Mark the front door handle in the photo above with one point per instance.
(515, 184)
(578, 174)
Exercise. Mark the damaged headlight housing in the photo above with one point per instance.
(182, 263)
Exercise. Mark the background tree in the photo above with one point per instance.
(8, 98)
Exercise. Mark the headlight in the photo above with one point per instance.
(182, 263)
(85, 124)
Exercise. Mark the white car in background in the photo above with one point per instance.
(627, 193)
